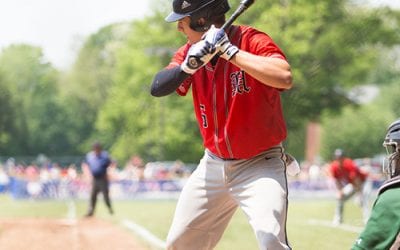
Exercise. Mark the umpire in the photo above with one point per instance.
(97, 161)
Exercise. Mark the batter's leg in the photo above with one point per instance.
(203, 211)
(260, 186)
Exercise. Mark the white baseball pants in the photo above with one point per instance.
(217, 187)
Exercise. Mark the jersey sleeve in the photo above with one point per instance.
(262, 44)
(177, 60)
(383, 225)
(259, 43)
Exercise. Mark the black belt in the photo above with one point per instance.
(216, 157)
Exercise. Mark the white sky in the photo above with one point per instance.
(54, 25)
(392, 3)
(57, 25)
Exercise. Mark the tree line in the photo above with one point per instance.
(332, 46)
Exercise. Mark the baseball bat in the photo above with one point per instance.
(244, 4)
(194, 61)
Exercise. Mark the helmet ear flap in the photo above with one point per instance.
(199, 24)
(204, 17)
(201, 21)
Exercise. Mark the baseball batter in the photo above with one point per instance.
(236, 78)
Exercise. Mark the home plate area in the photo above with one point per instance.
(49, 234)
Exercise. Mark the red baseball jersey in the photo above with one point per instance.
(238, 116)
(347, 173)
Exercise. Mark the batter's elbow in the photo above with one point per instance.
(287, 80)
(154, 91)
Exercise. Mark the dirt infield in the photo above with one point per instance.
(82, 234)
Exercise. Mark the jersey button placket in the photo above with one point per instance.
(228, 169)
(226, 172)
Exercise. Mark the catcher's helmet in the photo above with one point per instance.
(202, 13)
(391, 165)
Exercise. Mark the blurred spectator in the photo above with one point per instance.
(139, 167)
(4, 180)
(349, 180)
(178, 170)
(54, 182)
(72, 173)
(314, 176)
(32, 173)
(73, 181)
(98, 161)
(33, 186)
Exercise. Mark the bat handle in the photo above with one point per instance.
(244, 4)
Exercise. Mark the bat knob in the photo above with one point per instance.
(194, 62)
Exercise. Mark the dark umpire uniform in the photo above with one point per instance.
(98, 161)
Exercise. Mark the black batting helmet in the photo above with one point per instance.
(391, 165)
(202, 13)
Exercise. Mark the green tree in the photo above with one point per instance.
(360, 130)
(6, 117)
(332, 46)
(133, 121)
(390, 99)
(33, 105)
(86, 87)
(356, 131)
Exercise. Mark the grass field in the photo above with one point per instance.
(309, 225)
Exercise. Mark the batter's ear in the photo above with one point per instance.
(201, 22)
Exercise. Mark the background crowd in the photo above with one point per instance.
(52, 180)
(135, 177)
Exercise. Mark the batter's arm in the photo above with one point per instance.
(167, 81)
(271, 71)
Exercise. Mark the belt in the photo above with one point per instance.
(277, 148)
(216, 157)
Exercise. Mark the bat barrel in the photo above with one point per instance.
(244, 4)
(247, 3)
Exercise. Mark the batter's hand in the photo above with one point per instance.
(198, 55)
(220, 39)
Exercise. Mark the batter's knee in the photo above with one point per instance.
(170, 246)
(190, 239)
(269, 241)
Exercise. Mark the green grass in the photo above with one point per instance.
(10, 208)
(156, 217)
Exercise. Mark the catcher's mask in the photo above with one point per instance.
(391, 164)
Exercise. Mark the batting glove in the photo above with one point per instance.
(220, 39)
(198, 55)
